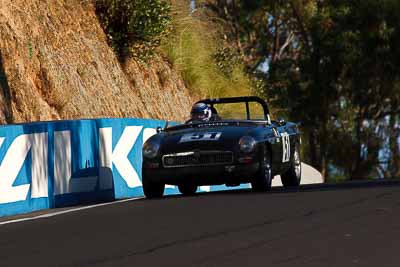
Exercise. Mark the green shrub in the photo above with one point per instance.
(134, 27)
(226, 59)
(197, 51)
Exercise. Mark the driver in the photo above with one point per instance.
(200, 112)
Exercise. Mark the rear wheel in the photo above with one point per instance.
(153, 189)
(292, 176)
(263, 180)
(187, 189)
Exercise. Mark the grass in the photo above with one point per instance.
(190, 48)
(30, 49)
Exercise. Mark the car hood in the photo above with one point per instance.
(222, 136)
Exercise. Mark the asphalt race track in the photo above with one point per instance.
(350, 225)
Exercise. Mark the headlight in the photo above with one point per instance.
(247, 144)
(150, 149)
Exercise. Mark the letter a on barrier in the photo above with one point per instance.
(63, 182)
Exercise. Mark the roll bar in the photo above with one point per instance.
(240, 99)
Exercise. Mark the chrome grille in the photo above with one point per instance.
(203, 158)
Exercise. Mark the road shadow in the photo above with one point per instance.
(6, 92)
(348, 185)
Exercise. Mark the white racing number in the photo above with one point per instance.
(214, 136)
(285, 147)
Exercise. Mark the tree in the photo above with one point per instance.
(332, 65)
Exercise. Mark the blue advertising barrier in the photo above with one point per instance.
(56, 164)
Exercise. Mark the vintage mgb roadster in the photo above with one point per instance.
(236, 143)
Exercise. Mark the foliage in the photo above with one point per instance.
(196, 49)
(333, 66)
(226, 59)
(134, 27)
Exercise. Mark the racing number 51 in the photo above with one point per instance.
(285, 147)
(214, 136)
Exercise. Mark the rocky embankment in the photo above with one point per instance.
(55, 64)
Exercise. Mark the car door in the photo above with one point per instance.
(286, 148)
(276, 145)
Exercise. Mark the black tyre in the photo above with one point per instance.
(187, 189)
(292, 177)
(152, 189)
(263, 180)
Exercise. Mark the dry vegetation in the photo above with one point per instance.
(191, 49)
(56, 64)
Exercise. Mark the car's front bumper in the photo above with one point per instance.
(204, 175)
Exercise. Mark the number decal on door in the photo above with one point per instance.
(285, 147)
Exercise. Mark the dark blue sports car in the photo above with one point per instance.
(232, 141)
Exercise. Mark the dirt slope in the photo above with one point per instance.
(55, 64)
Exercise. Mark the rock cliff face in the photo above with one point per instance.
(55, 64)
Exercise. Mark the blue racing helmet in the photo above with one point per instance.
(200, 112)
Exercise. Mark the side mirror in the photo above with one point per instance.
(281, 121)
(159, 129)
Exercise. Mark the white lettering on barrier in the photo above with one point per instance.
(105, 160)
(13, 162)
(119, 156)
(63, 182)
(40, 174)
(205, 188)
(147, 133)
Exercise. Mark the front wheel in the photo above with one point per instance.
(263, 179)
(292, 177)
(187, 189)
(152, 189)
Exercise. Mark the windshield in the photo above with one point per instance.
(237, 111)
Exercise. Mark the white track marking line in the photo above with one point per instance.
(49, 215)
